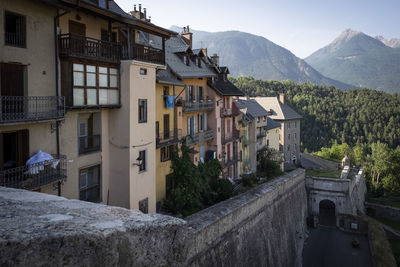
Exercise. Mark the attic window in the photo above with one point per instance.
(198, 62)
(186, 60)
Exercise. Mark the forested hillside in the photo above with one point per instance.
(354, 116)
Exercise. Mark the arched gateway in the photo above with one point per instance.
(327, 213)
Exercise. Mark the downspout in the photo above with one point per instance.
(58, 89)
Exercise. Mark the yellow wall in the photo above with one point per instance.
(39, 54)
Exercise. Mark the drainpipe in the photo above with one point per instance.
(58, 89)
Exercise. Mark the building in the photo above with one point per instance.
(273, 131)
(245, 123)
(257, 129)
(290, 127)
(102, 62)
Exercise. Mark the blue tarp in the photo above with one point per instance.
(169, 101)
(36, 162)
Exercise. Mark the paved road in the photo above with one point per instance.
(309, 164)
(329, 247)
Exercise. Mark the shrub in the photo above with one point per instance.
(249, 180)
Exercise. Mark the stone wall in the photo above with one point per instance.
(383, 211)
(262, 227)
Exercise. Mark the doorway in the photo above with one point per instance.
(327, 213)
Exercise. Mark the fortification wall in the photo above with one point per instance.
(262, 227)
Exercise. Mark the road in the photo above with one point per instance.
(330, 247)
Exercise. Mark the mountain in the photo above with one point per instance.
(359, 59)
(394, 42)
(250, 55)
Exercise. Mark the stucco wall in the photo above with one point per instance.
(262, 227)
(273, 137)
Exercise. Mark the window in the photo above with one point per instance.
(258, 119)
(166, 153)
(143, 71)
(166, 90)
(288, 148)
(198, 62)
(288, 125)
(89, 132)
(288, 136)
(186, 60)
(144, 205)
(157, 130)
(295, 124)
(264, 118)
(201, 93)
(14, 149)
(95, 85)
(142, 110)
(191, 125)
(267, 142)
(89, 184)
(295, 136)
(15, 29)
(202, 121)
(190, 93)
(142, 158)
(169, 184)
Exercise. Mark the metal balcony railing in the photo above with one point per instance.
(144, 53)
(36, 175)
(199, 137)
(89, 144)
(168, 137)
(234, 135)
(71, 45)
(261, 135)
(225, 112)
(15, 39)
(31, 108)
(190, 106)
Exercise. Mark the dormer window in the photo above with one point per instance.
(198, 62)
(186, 60)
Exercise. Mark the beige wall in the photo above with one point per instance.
(39, 54)
(273, 138)
(292, 128)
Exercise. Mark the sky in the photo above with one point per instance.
(302, 26)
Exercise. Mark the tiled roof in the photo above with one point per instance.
(253, 108)
(271, 124)
(174, 60)
(224, 87)
(279, 111)
(166, 77)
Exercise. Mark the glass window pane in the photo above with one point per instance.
(91, 96)
(78, 67)
(102, 70)
(103, 80)
(83, 180)
(103, 97)
(78, 97)
(78, 78)
(91, 79)
(113, 81)
(91, 68)
(113, 71)
(113, 96)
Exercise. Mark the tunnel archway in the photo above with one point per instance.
(327, 213)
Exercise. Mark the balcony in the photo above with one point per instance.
(88, 48)
(144, 53)
(16, 109)
(261, 135)
(261, 148)
(199, 137)
(168, 138)
(88, 144)
(34, 176)
(231, 161)
(225, 112)
(233, 136)
(190, 106)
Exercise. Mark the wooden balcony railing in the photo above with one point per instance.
(190, 106)
(89, 48)
(144, 53)
(35, 175)
(14, 109)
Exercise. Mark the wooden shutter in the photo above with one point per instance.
(205, 122)
(77, 28)
(12, 79)
(23, 147)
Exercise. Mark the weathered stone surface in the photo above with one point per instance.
(262, 227)
(43, 230)
(384, 211)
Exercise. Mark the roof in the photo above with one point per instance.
(271, 124)
(224, 87)
(174, 47)
(279, 111)
(166, 77)
(253, 108)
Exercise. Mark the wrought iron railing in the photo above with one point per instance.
(71, 45)
(89, 144)
(199, 137)
(15, 39)
(144, 53)
(35, 175)
(225, 112)
(31, 108)
(190, 106)
(168, 137)
(232, 136)
(261, 135)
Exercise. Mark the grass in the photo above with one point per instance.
(324, 173)
(395, 244)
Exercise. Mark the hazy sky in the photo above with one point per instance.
(302, 26)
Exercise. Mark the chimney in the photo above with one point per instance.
(215, 59)
(282, 98)
(134, 7)
(204, 51)
(144, 13)
(187, 36)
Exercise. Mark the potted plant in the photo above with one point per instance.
(355, 243)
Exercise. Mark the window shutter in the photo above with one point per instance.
(188, 126)
(24, 150)
(194, 124)
(197, 93)
(205, 122)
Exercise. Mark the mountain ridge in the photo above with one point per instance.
(247, 54)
